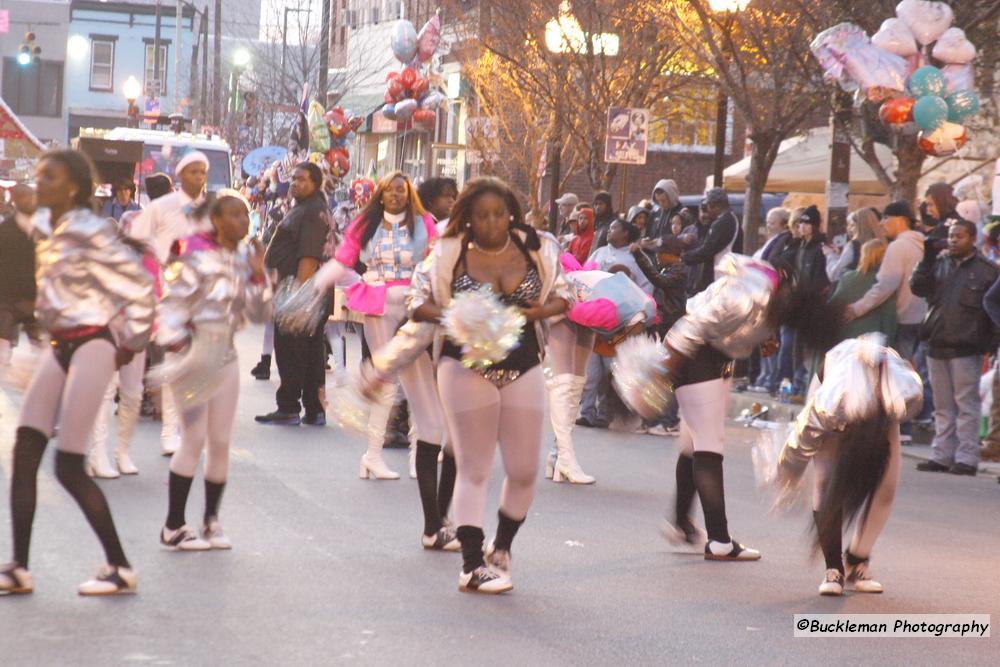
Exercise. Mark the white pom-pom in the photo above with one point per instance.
(486, 330)
(299, 309)
(194, 376)
(640, 376)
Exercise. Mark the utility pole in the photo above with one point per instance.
(204, 65)
(324, 52)
(217, 68)
(721, 121)
(156, 50)
(194, 100)
(178, 16)
(840, 165)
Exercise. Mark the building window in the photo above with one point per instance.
(33, 90)
(376, 14)
(687, 125)
(394, 9)
(102, 65)
(150, 63)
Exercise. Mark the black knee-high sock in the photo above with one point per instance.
(708, 481)
(28, 449)
(831, 543)
(446, 486)
(178, 489)
(213, 496)
(471, 538)
(506, 530)
(427, 484)
(685, 493)
(71, 474)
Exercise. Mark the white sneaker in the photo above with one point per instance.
(484, 579)
(664, 431)
(183, 539)
(733, 551)
(15, 580)
(861, 579)
(212, 533)
(498, 559)
(443, 540)
(110, 580)
(833, 584)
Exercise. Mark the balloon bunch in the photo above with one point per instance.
(409, 98)
(361, 191)
(330, 133)
(898, 67)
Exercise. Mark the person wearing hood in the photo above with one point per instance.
(724, 236)
(666, 204)
(604, 215)
(582, 224)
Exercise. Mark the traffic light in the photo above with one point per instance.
(29, 52)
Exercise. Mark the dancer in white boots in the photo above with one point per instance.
(129, 389)
(390, 237)
(216, 283)
(570, 347)
(487, 243)
(86, 276)
(160, 225)
(849, 428)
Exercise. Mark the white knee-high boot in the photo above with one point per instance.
(372, 463)
(170, 437)
(128, 416)
(564, 402)
(98, 463)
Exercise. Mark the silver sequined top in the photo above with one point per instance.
(730, 314)
(859, 374)
(209, 283)
(87, 276)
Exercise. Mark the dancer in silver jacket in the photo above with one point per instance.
(849, 428)
(214, 286)
(739, 311)
(86, 276)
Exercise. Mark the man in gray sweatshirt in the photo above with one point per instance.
(905, 250)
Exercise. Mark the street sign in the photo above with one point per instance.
(152, 88)
(151, 109)
(626, 140)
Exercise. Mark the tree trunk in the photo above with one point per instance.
(763, 151)
(911, 162)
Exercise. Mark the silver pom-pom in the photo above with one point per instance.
(352, 402)
(299, 309)
(193, 376)
(641, 377)
(486, 330)
(780, 479)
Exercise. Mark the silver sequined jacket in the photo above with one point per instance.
(87, 276)
(432, 282)
(730, 314)
(858, 374)
(210, 284)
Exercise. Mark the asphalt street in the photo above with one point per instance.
(327, 568)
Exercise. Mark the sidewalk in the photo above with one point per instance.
(752, 401)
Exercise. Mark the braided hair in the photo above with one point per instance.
(460, 222)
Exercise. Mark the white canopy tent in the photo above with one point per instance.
(803, 165)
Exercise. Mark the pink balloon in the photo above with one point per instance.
(428, 39)
(927, 20)
(953, 48)
(895, 37)
(958, 78)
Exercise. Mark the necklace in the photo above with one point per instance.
(492, 253)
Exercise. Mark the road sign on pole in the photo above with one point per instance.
(152, 88)
(626, 140)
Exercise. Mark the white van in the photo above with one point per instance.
(162, 151)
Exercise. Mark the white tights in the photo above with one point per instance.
(479, 415)
(417, 378)
(74, 397)
(876, 513)
(570, 347)
(209, 426)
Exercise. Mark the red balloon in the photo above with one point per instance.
(388, 98)
(897, 110)
(419, 87)
(424, 116)
(408, 77)
(396, 89)
(391, 76)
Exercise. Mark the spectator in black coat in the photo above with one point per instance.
(17, 272)
(806, 254)
(724, 236)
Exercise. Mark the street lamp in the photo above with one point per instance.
(241, 58)
(728, 5)
(132, 89)
(76, 47)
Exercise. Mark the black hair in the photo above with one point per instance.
(994, 234)
(213, 202)
(126, 183)
(157, 185)
(902, 209)
(434, 187)
(80, 170)
(460, 223)
(315, 173)
(970, 226)
(374, 211)
(818, 321)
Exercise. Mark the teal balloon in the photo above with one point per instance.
(930, 112)
(961, 105)
(927, 80)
